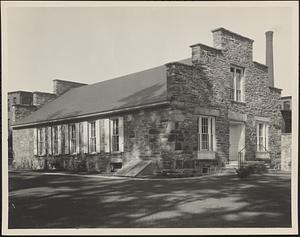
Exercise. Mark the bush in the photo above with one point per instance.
(244, 172)
(81, 166)
(259, 168)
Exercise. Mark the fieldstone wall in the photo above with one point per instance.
(23, 147)
(286, 152)
(206, 84)
(21, 111)
(61, 86)
(148, 134)
(41, 98)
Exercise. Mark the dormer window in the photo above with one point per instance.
(236, 84)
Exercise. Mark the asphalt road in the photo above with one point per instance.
(64, 201)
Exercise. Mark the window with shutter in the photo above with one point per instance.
(62, 139)
(41, 141)
(72, 134)
(66, 132)
(84, 136)
(115, 135)
(106, 135)
(35, 141)
(121, 134)
(98, 135)
(102, 135)
(92, 137)
(55, 140)
(49, 140)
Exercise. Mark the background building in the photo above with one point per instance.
(286, 133)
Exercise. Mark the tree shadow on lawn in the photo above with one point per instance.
(52, 201)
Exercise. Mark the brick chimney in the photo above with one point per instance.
(269, 57)
(41, 98)
(62, 86)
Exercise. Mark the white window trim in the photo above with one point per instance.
(111, 135)
(55, 145)
(265, 134)
(41, 134)
(70, 139)
(242, 84)
(120, 134)
(90, 137)
(211, 132)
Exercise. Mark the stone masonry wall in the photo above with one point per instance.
(286, 152)
(206, 85)
(40, 98)
(21, 111)
(148, 135)
(23, 146)
(61, 86)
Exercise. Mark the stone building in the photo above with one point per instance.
(286, 133)
(202, 112)
(22, 103)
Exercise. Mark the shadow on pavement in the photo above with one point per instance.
(53, 201)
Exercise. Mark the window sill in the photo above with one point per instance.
(92, 153)
(262, 155)
(116, 152)
(238, 102)
(206, 155)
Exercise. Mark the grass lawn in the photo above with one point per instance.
(56, 201)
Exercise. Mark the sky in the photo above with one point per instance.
(91, 44)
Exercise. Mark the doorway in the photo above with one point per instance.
(236, 139)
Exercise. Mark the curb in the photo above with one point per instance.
(127, 178)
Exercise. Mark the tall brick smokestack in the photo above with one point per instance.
(269, 57)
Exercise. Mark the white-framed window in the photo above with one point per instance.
(236, 84)
(72, 131)
(262, 136)
(92, 137)
(116, 140)
(41, 141)
(206, 133)
(115, 135)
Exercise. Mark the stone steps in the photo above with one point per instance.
(230, 168)
(133, 169)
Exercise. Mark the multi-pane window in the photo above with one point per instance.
(92, 136)
(72, 138)
(55, 140)
(232, 84)
(115, 135)
(41, 141)
(236, 84)
(262, 137)
(206, 133)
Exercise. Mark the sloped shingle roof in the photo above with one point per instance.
(135, 89)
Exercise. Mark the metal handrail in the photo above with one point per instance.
(240, 161)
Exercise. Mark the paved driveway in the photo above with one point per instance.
(56, 201)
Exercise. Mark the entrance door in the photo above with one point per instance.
(237, 139)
